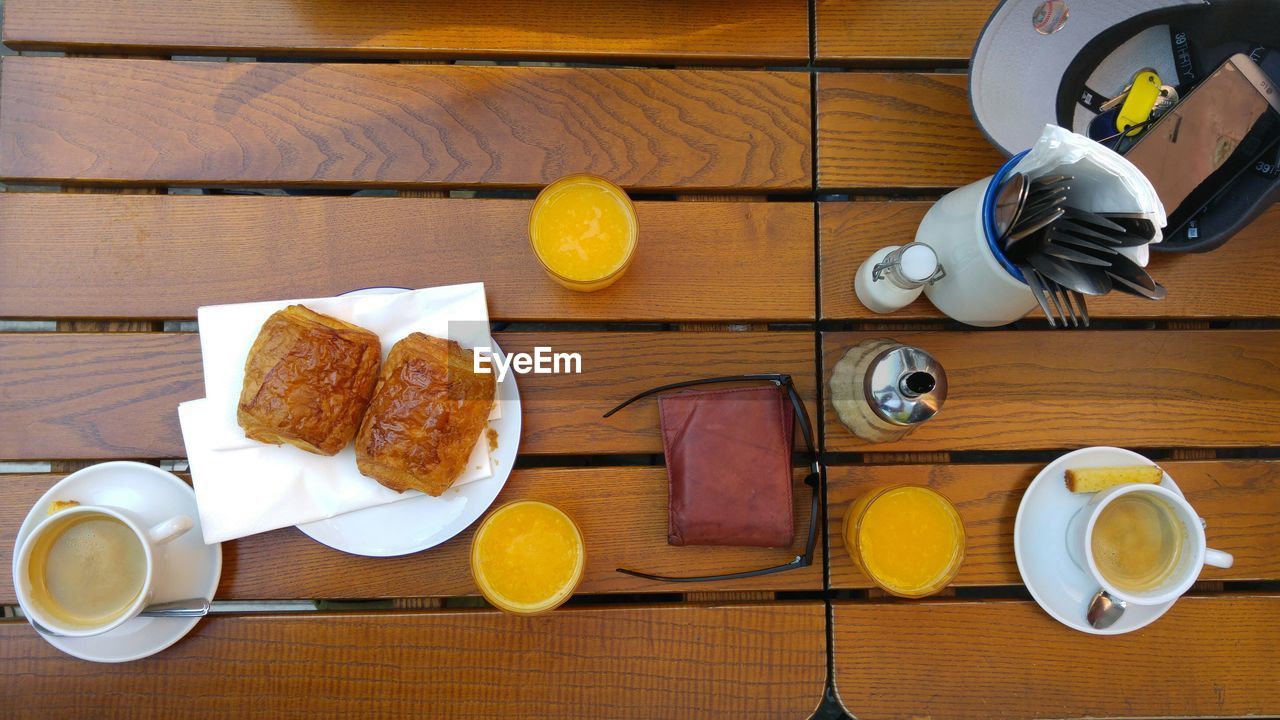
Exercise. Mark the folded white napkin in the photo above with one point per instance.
(245, 487)
(1104, 180)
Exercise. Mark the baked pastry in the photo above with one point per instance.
(1087, 480)
(427, 413)
(308, 380)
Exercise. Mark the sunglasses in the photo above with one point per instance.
(783, 383)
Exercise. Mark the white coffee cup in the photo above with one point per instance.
(150, 538)
(1195, 554)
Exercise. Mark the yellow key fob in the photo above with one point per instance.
(1141, 99)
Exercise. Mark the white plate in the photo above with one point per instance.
(185, 568)
(397, 528)
(1040, 543)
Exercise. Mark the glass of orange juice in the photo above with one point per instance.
(527, 557)
(583, 229)
(908, 539)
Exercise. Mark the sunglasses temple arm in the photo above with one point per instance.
(799, 561)
(815, 513)
(771, 377)
(804, 560)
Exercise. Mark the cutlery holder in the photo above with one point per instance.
(981, 286)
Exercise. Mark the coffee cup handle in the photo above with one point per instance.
(173, 528)
(1217, 558)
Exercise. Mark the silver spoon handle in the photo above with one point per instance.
(193, 607)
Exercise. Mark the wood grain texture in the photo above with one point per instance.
(1208, 657)
(131, 256)
(399, 125)
(1240, 500)
(657, 662)
(115, 395)
(96, 395)
(899, 32)
(285, 564)
(898, 130)
(1228, 284)
(1050, 390)
(756, 32)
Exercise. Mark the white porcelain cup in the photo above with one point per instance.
(151, 538)
(1195, 555)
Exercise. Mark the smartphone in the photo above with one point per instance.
(1218, 131)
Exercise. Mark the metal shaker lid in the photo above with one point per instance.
(910, 266)
(905, 385)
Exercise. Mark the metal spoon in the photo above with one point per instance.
(1086, 279)
(1051, 181)
(1104, 610)
(1080, 230)
(1064, 252)
(192, 607)
(1039, 202)
(1058, 237)
(1009, 203)
(1130, 277)
(1094, 219)
(1027, 228)
(1019, 248)
(1123, 284)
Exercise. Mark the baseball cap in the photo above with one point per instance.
(1059, 61)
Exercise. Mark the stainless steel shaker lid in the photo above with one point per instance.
(905, 385)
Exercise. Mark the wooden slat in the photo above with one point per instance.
(898, 130)
(698, 31)
(115, 395)
(399, 125)
(1205, 285)
(1209, 657)
(898, 32)
(646, 662)
(134, 256)
(1239, 499)
(1054, 389)
(286, 564)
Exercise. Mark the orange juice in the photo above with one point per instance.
(583, 230)
(908, 539)
(527, 557)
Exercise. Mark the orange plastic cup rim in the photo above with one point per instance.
(556, 600)
(631, 217)
(943, 580)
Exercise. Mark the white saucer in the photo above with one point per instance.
(1040, 543)
(186, 567)
(419, 523)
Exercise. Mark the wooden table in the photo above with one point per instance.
(770, 146)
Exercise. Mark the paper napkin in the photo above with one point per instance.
(244, 486)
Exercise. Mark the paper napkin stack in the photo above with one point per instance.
(244, 486)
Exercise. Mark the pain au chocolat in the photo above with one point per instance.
(429, 409)
(308, 380)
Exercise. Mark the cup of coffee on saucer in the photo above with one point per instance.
(88, 569)
(1105, 541)
(1142, 543)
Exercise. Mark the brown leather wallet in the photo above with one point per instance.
(728, 458)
